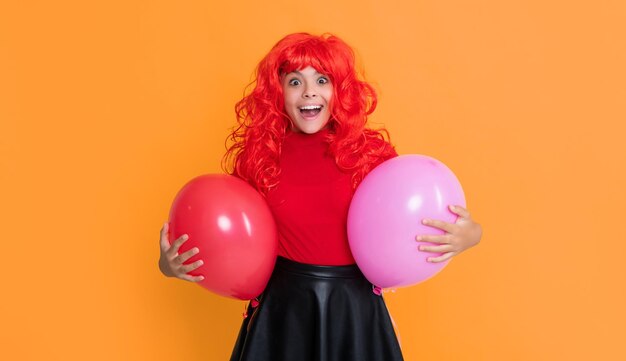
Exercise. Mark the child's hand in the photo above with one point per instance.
(463, 234)
(171, 263)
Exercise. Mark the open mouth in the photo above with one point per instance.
(310, 110)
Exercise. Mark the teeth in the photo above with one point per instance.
(309, 107)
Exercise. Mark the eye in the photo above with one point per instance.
(294, 82)
(323, 80)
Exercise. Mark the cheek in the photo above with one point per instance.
(288, 105)
(328, 94)
(289, 98)
(331, 101)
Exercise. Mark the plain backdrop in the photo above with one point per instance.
(108, 108)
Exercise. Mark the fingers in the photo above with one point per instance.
(177, 243)
(444, 257)
(164, 241)
(191, 278)
(436, 249)
(182, 270)
(190, 267)
(444, 245)
(174, 262)
(444, 226)
(460, 211)
(443, 238)
(187, 255)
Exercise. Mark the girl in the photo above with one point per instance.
(303, 143)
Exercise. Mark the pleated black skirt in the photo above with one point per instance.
(317, 313)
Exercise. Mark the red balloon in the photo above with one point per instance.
(232, 226)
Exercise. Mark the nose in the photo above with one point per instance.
(309, 92)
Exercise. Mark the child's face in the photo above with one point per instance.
(307, 99)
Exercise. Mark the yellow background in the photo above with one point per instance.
(108, 107)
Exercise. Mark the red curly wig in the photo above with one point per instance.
(263, 122)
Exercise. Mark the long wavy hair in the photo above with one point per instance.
(263, 122)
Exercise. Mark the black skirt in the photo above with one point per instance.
(317, 313)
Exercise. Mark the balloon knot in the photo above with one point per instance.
(245, 312)
(254, 303)
(377, 290)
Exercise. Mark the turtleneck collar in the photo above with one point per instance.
(304, 138)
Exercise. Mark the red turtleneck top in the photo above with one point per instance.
(310, 204)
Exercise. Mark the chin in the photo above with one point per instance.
(308, 127)
(307, 130)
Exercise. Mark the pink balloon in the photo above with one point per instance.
(386, 215)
